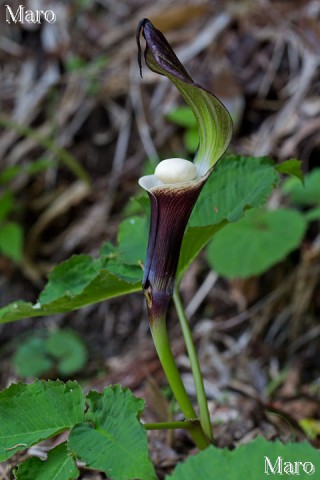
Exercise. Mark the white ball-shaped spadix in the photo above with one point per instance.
(175, 170)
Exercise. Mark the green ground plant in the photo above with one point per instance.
(106, 430)
(41, 353)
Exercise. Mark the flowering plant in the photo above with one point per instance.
(173, 191)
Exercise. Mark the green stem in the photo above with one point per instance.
(195, 367)
(169, 425)
(162, 345)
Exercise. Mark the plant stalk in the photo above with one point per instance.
(195, 367)
(162, 345)
(169, 425)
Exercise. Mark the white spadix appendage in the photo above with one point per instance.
(175, 170)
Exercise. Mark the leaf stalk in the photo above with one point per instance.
(185, 424)
(195, 366)
(162, 345)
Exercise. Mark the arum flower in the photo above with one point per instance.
(176, 184)
(173, 191)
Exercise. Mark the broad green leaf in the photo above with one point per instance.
(236, 184)
(58, 466)
(70, 278)
(11, 241)
(31, 358)
(307, 194)
(291, 167)
(256, 460)
(69, 349)
(256, 242)
(112, 439)
(32, 413)
(75, 283)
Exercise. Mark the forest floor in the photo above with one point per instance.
(77, 83)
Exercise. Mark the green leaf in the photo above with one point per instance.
(70, 278)
(75, 283)
(58, 466)
(249, 462)
(133, 239)
(68, 349)
(32, 413)
(291, 167)
(307, 194)
(139, 204)
(128, 273)
(182, 116)
(11, 241)
(31, 358)
(237, 183)
(112, 439)
(258, 241)
(194, 240)
(125, 259)
(63, 350)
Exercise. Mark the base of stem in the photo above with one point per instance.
(161, 342)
